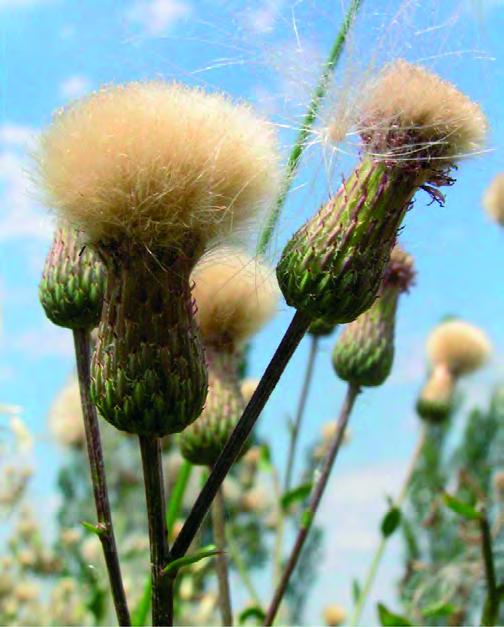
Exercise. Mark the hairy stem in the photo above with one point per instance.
(380, 550)
(219, 533)
(307, 124)
(316, 497)
(300, 412)
(162, 587)
(98, 479)
(231, 451)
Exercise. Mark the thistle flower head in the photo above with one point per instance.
(408, 110)
(460, 346)
(400, 271)
(153, 162)
(65, 416)
(235, 296)
(493, 199)
(436, 400)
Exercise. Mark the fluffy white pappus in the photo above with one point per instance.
(235, 296)
(65, 416)
(427, 111)
(493, 199)
(460, 346)
(157, 162)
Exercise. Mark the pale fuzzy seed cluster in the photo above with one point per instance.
(151, 161)
(493, 199)
(65, 416)
(458, 345)
(334, 615)
(235, 296)
(409, 97)
(248, 387)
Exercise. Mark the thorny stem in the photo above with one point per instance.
(316, 497)
(231, 451)
(162, 586)
(307, 124)
(98, 479)
(221, 566)
(300, 412)
(491, 607)
(380, 550)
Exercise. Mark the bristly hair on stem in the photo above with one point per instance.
(314, 502)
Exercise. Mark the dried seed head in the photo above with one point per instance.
(436, 399)
(65, 416)
(409, 111)
(73, 282)
(364, 352)
(493, 199)
(235, 296)
(460, 346)
(334, 615)
(153, 162)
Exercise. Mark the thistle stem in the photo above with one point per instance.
(98, 479)
(307, 124)
(380, 550)
(231, 451)
(316, 497)
(300, 412)
(162, 586)
(219, 533)
(491, 607)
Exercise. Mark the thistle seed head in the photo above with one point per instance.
(157, 163)
(493, 199)
(65, 416)
(411, 114)
(458, 345)
(334, 615)
(436, 399)
(247, 388)
(235, 296)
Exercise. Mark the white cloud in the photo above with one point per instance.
(158, 16)
(45, 341)
(74, 86)
(20, 214)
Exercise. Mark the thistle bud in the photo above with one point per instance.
(364, 352)
(119, 167)
(73, 282)
(320, 328)
(235, 296)
(414, 127)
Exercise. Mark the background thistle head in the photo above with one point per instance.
(235, 296)
(493, 199)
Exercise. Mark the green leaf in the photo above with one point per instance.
(356, 590)
(389, 619)
(96, 529)
(459, 507)
(439, 609)
(391, 522)
(255, 612)
(296, 494)
(207, 551)
(139, 616)
(265, 464)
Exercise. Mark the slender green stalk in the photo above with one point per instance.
(280, 530)
(310, 512)
(219, 533)
(98, 479)
(162, 587)
(172, 513)
(307, 125)
(300, 412)
(380, 550)
(241, 567)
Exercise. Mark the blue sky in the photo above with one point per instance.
(267, 52)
